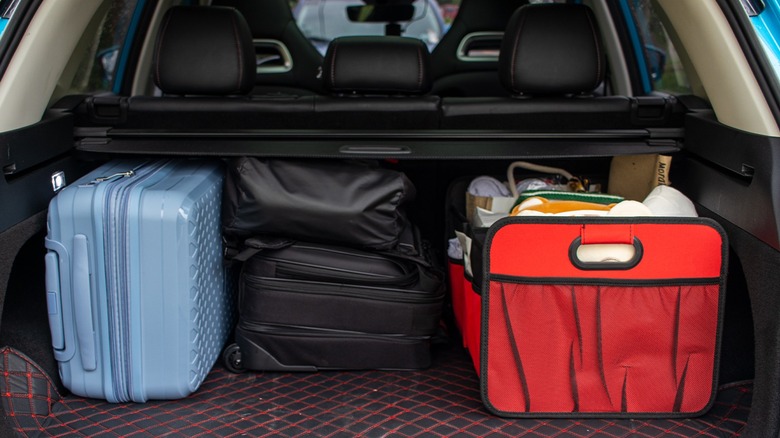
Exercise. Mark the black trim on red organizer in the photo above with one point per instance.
(603, 220)
(577, 320)
(599, 348)
(676, 330)
(516, 352)
(575, 395)
(565, 281)
(623, 399)
(678, 399)
(487, 278)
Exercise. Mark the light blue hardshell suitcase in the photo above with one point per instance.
(139, 306)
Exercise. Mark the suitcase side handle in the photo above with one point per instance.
(82, 302)
(59, 300)
(54, 300)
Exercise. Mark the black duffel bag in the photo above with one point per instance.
(344, 202)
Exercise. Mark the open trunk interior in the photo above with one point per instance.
(445, 399)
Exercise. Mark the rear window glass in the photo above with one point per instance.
(323, 20)
(661, 67)
(100, 59)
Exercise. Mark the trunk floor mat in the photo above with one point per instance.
(441, 401)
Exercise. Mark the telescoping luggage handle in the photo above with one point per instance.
(606, 247)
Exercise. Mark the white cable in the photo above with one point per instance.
(510, 173)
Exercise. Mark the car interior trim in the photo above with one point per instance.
(45, 42)
(280, 50)
(756, 56)
(619, 78)
(466, 46)
(740, 105)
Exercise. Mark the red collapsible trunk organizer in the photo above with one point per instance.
(566, 338)
(466, 293)
(467, 308)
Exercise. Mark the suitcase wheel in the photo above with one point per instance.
(231, 357)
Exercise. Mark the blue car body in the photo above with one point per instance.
(766, 23)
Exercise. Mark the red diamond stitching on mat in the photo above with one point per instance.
(441, 401)
(27, 392)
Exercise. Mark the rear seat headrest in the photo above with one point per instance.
(377, 65)
(204, 51)
(551, 49)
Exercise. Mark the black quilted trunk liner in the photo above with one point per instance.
(441, 401)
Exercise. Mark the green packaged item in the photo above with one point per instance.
(599, 198)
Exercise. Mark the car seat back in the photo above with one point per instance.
(377, 82)
(550, 63)
(465, 62)
(274, 29)
(204, 66)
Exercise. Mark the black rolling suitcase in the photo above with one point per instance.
(309, 307)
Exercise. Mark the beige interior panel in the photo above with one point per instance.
(621, 82)
(721, 66)
(40, 60)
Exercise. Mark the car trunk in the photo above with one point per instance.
(445, 399)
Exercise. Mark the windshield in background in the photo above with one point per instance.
(322, 21)
(656, 56)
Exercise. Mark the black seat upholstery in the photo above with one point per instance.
(273, 20)
(377, 65)
(550, 63)
(187, 34)
(454, 75)
(552, 49)
(204, 64)
(377, 82)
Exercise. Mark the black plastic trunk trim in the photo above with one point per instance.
(426, 148)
